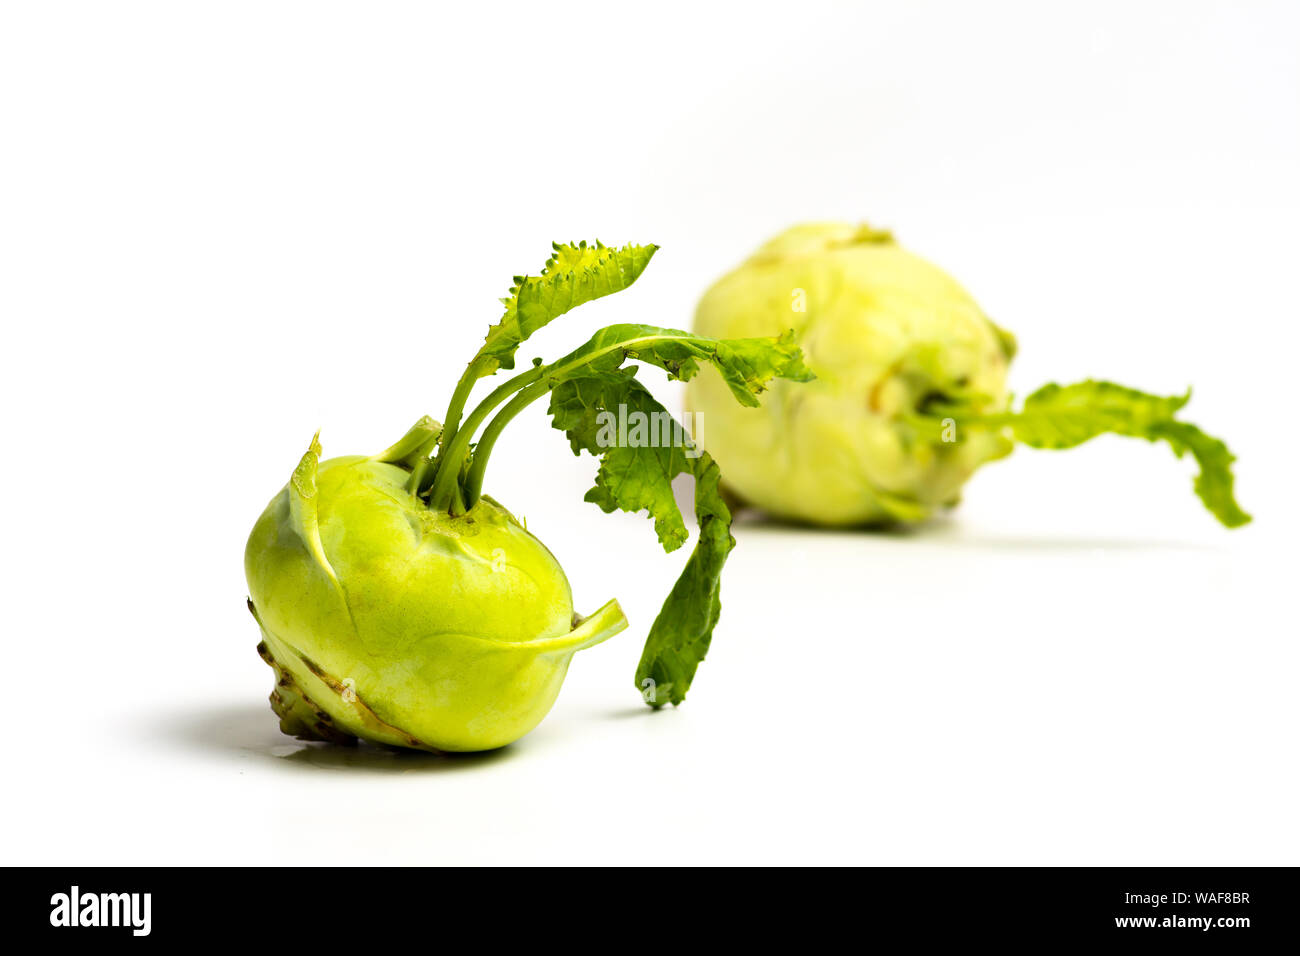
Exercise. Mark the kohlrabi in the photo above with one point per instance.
(910, 396)
(400, 604)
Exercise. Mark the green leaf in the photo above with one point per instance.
(639, 460)
(575, 274)
(633, 477)
(680, 635)
(589, 387)
(1214, 482)
(746, 365)
(1063, 416)
(604, 410)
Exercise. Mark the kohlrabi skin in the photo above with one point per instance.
(406, 625)
(399, 604)
(910, 395)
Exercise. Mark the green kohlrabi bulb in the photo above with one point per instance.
(887, 334)
(390, 621)
(400, 604)
(910, 392)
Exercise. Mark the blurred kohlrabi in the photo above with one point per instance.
(910, 396)
(400, 604)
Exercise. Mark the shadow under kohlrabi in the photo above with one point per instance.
(251, 731)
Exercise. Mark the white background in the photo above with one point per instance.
(225, 225)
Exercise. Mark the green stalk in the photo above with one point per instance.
(446, 480)
(457, 506)
(474, 480)
(538, 382)
(417, 476)
(451, 421)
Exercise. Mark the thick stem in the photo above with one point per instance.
(457, 506)
(539, 381)
(446, 479)
(451, 421)
(474, 480)
(417, 476)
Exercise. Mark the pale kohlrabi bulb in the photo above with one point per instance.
(388, 620)
(887, 334)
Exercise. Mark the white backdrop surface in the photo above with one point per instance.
(223, 226)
